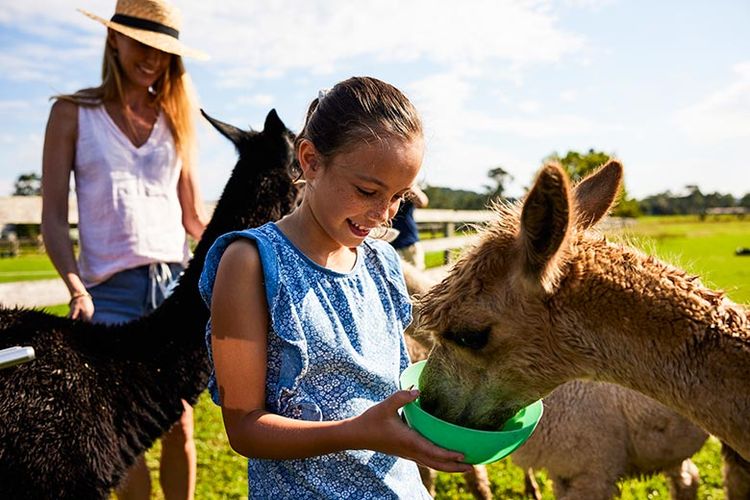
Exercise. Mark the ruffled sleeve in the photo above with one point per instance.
(208, 278)
(391, 267)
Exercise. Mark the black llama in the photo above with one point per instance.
(73, 420)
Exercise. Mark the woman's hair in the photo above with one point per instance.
(360, 109)
(173, 94)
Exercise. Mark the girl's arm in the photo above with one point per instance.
(57, 162)
(240, 322)
(194, 218)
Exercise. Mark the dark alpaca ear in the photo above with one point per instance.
(595, 194)
(229, 131)
(273, 124)
(545, 220)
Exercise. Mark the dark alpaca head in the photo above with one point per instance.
(260, 188)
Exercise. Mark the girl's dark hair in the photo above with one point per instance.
(360, 109)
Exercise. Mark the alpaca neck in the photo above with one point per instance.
(650, 327)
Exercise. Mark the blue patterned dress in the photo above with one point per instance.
(334, 350)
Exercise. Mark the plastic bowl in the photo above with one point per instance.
(478, 446)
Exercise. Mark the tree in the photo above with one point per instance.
(500, 177)
(579, 165)
(28, 185)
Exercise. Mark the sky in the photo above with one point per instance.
(663, 86)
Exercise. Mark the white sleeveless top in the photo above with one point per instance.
(129, 212)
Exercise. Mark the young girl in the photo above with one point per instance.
(307, 314)
(129, 143)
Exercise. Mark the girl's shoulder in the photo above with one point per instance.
(258, 237)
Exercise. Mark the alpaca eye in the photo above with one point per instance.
(471, 339)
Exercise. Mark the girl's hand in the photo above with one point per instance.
(380, 428)
(81, 307)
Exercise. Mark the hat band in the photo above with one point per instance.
(144, 24)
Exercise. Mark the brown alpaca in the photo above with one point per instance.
(540, 300)
(594, 433)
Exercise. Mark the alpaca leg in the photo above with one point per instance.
(736, 474)
(137, 482)
(683, 480)
(530, 487)
(428, 477)
(178, 459)
(478, 482)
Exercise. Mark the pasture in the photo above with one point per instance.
(706, 248)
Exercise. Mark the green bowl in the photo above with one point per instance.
(478, 447)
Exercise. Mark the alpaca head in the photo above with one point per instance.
(497, 345)
(261, 186)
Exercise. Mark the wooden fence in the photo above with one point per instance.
(447, 225)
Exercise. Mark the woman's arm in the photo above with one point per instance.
(418, 197)
(194, 218)
(58, 157)
(240, 323)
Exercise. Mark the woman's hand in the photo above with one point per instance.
(81, 307)
(380, 428)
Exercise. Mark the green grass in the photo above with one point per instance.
(703, 248)
(26, 267)
(706, 248)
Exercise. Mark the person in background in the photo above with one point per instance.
(130, 145)
(308, 314)
(407, 242)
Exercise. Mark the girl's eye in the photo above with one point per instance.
(365, 192)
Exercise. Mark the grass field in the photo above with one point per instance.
(28, 266)
(705, 248)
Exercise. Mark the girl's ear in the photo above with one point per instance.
(309, 159)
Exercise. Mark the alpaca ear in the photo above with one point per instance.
(545, 219)
(273, 123)
(229, 131)
(595, 194)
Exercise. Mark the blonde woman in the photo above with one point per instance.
(130, 145)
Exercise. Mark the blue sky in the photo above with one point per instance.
(665, 86)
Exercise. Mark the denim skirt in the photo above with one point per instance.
(133, 293)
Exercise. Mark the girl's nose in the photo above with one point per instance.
(380, 213)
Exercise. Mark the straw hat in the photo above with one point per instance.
(155, 23)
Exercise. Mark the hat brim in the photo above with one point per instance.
(153, 39)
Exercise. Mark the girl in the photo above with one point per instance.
(307, 314)
(129, 143)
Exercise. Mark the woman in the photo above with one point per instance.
(130, 145)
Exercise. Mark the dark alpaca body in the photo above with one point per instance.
(98, 396)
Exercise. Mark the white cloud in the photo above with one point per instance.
(569, 95)
(722, 115)
(257, 100)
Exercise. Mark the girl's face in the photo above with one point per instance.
(142, 65)
(360, 188)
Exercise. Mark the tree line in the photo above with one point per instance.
(579, 165)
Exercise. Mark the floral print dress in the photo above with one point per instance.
(335, 349)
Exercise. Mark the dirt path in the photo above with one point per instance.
(34, 293)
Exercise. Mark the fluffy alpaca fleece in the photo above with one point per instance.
(594, 433)
(541, 300)
(97, 396)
